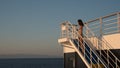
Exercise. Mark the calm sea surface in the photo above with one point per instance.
(32, 63)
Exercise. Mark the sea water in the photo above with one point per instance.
(32, 63)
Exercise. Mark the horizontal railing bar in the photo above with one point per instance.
(103, 17)
(110, 32)
(107, 57)
(113, 14)
(103, 56)
(88, 57)
(109, 28)
(95, 27)
(110, 23)
(96, 31)
(109, 20)
(94, 59)
(106, 60)
(89, 53)
(91, 60)
(95, 23)
(87, 50)
(114, 56)
(92, 20)
(94, 52)
(112, 59)
(111, 65)
(111, 53)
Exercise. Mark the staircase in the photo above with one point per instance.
(92, 52)
(98, 28)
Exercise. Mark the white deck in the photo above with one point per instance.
(113, 40)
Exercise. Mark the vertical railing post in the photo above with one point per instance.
(67, 35)
(101, 33)
(87, 31)
(98, 63)
(118, 17)
(83, 49)
(116, 62)
(73, 29)
(90, 57)
(61, 34)
(63, 30)
(107, 58)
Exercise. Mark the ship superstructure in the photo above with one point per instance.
(101, 43)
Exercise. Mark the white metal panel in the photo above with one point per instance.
(68, 49)
(113, 40)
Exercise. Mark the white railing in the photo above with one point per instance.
(69, 30)
(111, 59)
(109, 24)
(93, 32)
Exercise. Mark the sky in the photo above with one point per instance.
(32, 27)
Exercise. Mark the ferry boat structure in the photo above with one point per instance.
(101, 43)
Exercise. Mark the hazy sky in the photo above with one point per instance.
(31, 27)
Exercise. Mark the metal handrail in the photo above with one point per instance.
(76, 32)
(110, 19)
(107, 45)
(94, 53)
(110, 24)
(105, 21)
(91, 34)
(100, 27)
(109, 28)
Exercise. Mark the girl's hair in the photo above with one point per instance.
(80, 22)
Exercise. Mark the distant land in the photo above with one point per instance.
(28, 56)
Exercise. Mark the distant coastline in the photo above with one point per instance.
(28, 56)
